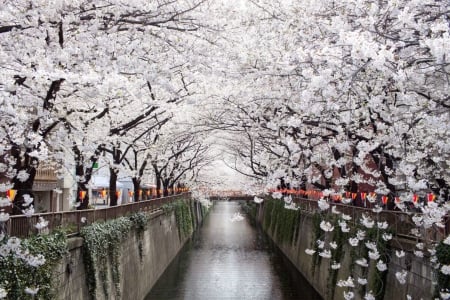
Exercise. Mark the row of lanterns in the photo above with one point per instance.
(11, 193)
(82, 194)
(430, 197)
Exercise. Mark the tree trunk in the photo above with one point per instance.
(165, 188)
(158, 188)
(136, 187)
(84, 175)
(112, 187)
(29, 165)
(81, 186)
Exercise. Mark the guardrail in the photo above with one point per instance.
(399, 222)
(232, 198)
(23, 226)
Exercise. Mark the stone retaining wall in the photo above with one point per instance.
(161, 243)
(419, 284)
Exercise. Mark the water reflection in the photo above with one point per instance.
(229, 259)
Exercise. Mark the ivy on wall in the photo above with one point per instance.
(268, 207)
(140, 222)
(205, 211)
(317, 235)
(331, 233)
(443, 272)
(340, 238)
(183, 216)
(378, 278)
(282, 223)
(26, 266)
(102, 243)
(251, 209)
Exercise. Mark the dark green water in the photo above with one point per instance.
(230, 260)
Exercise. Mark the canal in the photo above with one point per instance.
(228, 258)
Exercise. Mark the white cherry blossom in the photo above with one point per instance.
(401, 276)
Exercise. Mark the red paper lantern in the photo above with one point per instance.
(82, 194)
(11, 194)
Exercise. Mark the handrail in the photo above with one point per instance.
(400, 222)
(23, 226)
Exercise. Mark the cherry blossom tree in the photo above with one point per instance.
(76, 51)
(356, 97)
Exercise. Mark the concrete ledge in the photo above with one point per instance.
(74, 242)
(420, 278)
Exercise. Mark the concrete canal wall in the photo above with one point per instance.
(319, 273)
(161, 241)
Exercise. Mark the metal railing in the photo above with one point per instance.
(45, 174)
(226, 193)
(399, 222)
(23, 226)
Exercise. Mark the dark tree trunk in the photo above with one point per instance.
(158, 188)
(165, 188)
(84, 174)
(29, 165)
(112, 187)
(136, 187)
(377, 155)
(442, 188)
(157, 180)
(23, 188)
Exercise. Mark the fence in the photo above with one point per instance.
(399, 222)
(23, 226)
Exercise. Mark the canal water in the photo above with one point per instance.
(228, 258)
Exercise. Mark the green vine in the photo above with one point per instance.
(339, 238)
(317, 233)
(378, 281)
(286, 224)
(268, 208)
(102, 244)
(277, 207)
(183, 217)
(251, 209)
(19, 272)
(205, 211)
(296, 229)
(140, 222)
(443, 256)
(167, 208)
(282, 222)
